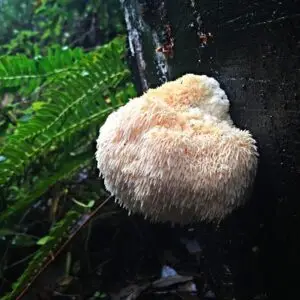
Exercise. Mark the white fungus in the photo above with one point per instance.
(174, 154)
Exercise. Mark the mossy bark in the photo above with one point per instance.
(252, 49)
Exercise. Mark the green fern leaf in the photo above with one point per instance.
(21, 71)
(67, 168)
(70, 107)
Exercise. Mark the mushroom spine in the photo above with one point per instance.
(174, 154)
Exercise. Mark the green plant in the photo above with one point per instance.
(29, 27)
(55, 140)
(27, 74)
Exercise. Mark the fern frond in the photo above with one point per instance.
(72, 105)
(67, 168)
(21, 71)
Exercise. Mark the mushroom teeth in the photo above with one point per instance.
(174, 154)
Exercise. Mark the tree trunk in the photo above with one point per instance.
(252, 49)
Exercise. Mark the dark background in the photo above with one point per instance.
(252, 49)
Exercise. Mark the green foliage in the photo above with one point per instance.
(27, 195)
(55, 137)
(27, 74)
(71, 105)
(57, 87)
(14, 14)
(36, 27)
(31, 26)
(50, 245)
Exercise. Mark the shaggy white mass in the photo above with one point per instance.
(173, 154)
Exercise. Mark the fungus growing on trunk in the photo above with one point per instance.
(174, 154)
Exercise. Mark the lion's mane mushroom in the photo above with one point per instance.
(173, 154)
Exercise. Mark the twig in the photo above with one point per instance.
(19, 262)
(86, 218)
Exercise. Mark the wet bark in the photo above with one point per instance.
(252, 49)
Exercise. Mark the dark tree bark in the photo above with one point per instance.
(252, 49)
